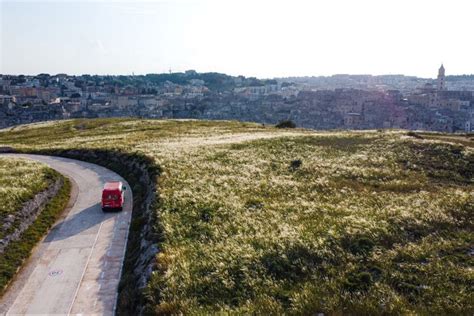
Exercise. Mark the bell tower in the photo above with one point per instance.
(441, 79)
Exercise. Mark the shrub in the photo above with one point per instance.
(286, 124)
(295, 164)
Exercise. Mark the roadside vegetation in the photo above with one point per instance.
(262, 220)
(20, 181)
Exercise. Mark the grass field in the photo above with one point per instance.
(20, 181)
(262, 220)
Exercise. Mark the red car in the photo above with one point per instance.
(113, 196)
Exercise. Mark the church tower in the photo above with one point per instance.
(441, 79)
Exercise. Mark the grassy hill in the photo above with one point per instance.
(262, 220)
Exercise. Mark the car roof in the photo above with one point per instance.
(113, 185)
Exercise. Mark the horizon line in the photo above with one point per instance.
(231, 75)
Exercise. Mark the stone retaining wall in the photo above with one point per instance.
(28, 213)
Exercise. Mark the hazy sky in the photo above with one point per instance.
(253, 38)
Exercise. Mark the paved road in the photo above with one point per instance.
(76, 268)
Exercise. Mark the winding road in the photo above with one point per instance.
(76, 268)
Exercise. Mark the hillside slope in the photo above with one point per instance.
(256, 219)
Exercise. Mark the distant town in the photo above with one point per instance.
(443, 104)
